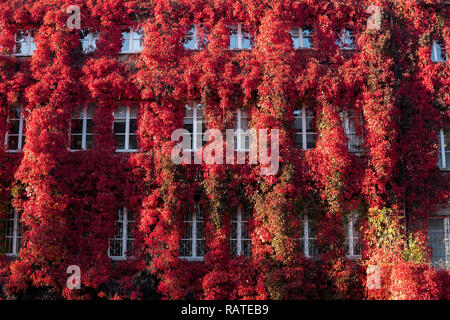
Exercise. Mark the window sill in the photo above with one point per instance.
(192, 259)
(13, 151)
(127, 151)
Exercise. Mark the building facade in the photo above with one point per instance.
(359, 95)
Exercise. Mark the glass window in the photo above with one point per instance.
(351, 230)
(307, 237)
(240, 243)
(353, 123)
(81, 136)
(301, 38)
(438, 52)
(125, 129)
(305, 136)
(121, 245)
(13, 233)
(239, 38)
(88, 41)
(438, 237)
(15, 136)
(241, 134)
(195, 125)
(24, 43)
(444, 148)
(346, 40)
(132, 40)
(192, 245)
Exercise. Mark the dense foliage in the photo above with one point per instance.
(68, 199)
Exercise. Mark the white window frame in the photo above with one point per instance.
(240, 133)
(131, 49)
(350, 134)
(446, 239)
(300, 39)
(127, 131)
(194, 257)
(124, 238)
(29, 43)
(304, 132)
(84, 130)
(239, 239)
(342, 40)
(91, 39)
(20, 135)
(352, 239)
(196, 38)
(194, 145)
(442, 152)
(240, 38)
(15, 236)
(306, 238)
(434, 54)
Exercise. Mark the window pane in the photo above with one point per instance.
(138, 40)
(125, 41)
(119, 127)
(189, 39)
(310, 141)
(233, 37)
(295, 35)
(75, 142)
(307, 39)
(133, 142)
(89, 141)
(77, 126)
(246, 39)
(13, 142)
(120, 139)
(436, 234)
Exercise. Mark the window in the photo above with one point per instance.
(305, 136)
(355, 137)
(301, 38)
(240, 243)
(13, 236)
(351, 230)
(346, 40)
(195, 125)
(125, 129)
(444, 148)
(439, 240)
(241, 135)
(15, 136)
(25, 45)
(81, 137)
(307, 237)
(88, 41)
(192, 243)
(239, 38)
(121, 245)
(195, 37)
(438, 52)
(132, 41)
